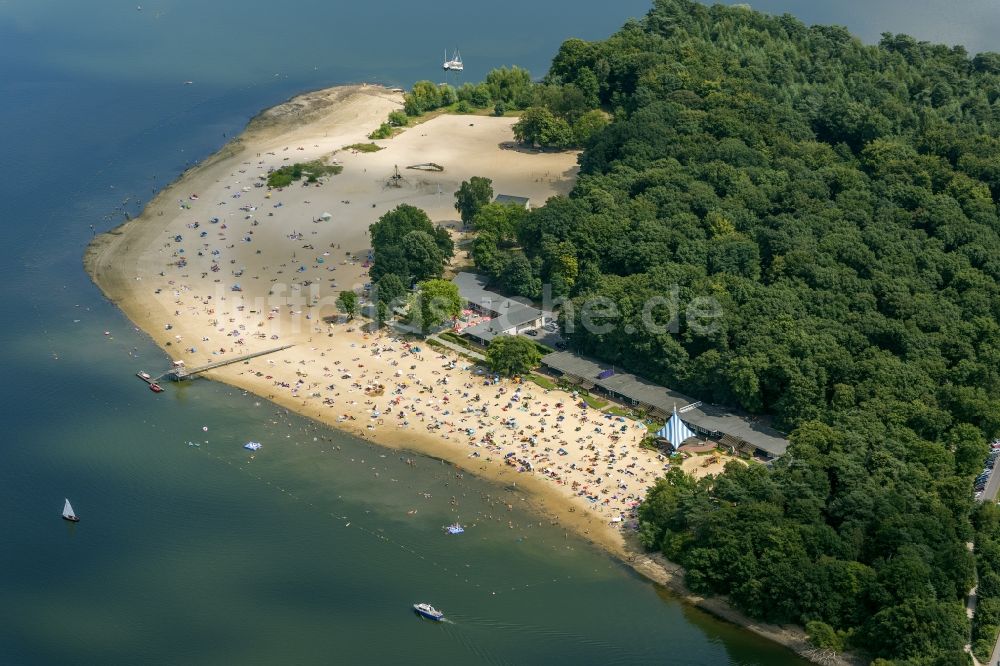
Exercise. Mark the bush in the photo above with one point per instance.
(284, 176)
(983, 648)
(398, 119)
(824, 636)
(384, 131)
(364, 147)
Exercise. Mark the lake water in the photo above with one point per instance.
(198, 554)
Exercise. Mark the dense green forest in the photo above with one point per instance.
(839, 201)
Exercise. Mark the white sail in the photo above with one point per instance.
(68, 510)
(455, 64)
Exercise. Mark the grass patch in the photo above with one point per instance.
(454, 110)
(542, 381)
(363, 147)
(311, 171)
(596, 403)
(619, 411)
(456, 339)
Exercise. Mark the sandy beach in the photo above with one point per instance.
(220, 266)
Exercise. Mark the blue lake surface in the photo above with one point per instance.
(196, 554)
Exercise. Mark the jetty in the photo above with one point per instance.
(179, 371)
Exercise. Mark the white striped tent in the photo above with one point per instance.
(675, 431)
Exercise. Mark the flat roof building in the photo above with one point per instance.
(523, 202)
(508, 316)
(727, 426)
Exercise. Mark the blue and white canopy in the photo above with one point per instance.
(675, 431)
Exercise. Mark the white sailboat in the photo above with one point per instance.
(69, 514)
(455, 64)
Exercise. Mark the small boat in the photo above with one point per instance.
(455, 64)
(143, 375)
(252, 446)
(428, 611)
(70, 515)
(155, 388)
(454, 528)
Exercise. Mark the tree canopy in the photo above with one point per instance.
(347, 302)
(512, 355)
(437, 302)
(472, 195)
(407, 244)
(838, 201)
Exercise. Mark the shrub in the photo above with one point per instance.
(384, 131)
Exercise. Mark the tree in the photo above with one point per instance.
(518, 277)
(499, 219)
(437, 302)
(424, 96)
(398, 119)
(422, 255)
(538, 126)
(588, 125)
(409, 257)
(823, 636)
(389, 289)
(472, 195)
(511, 86)
(512, 355)
(347, 302)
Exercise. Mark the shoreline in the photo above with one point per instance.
(126, 263)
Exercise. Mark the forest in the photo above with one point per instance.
(839, 201)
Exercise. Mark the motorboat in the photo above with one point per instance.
(428, 611)
(455, 64)
(155, 388)
(454, 528)
(70, 515)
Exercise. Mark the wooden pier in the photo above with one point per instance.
(179, 372)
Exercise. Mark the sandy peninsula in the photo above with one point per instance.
(220, 266)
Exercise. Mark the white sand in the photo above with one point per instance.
(290, 267)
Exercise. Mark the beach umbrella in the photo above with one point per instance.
(325, 216)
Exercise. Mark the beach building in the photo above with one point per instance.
(744, 433)
(523, 202)
(507, 316)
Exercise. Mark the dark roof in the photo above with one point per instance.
(482, 331)
(706, 417)
(472, 288)
(517, 315)
(511, 199)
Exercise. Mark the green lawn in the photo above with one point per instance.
(596, 403)
(363, 147)
(544, 382)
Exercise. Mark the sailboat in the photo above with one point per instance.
(455, 64)
(69, 514)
